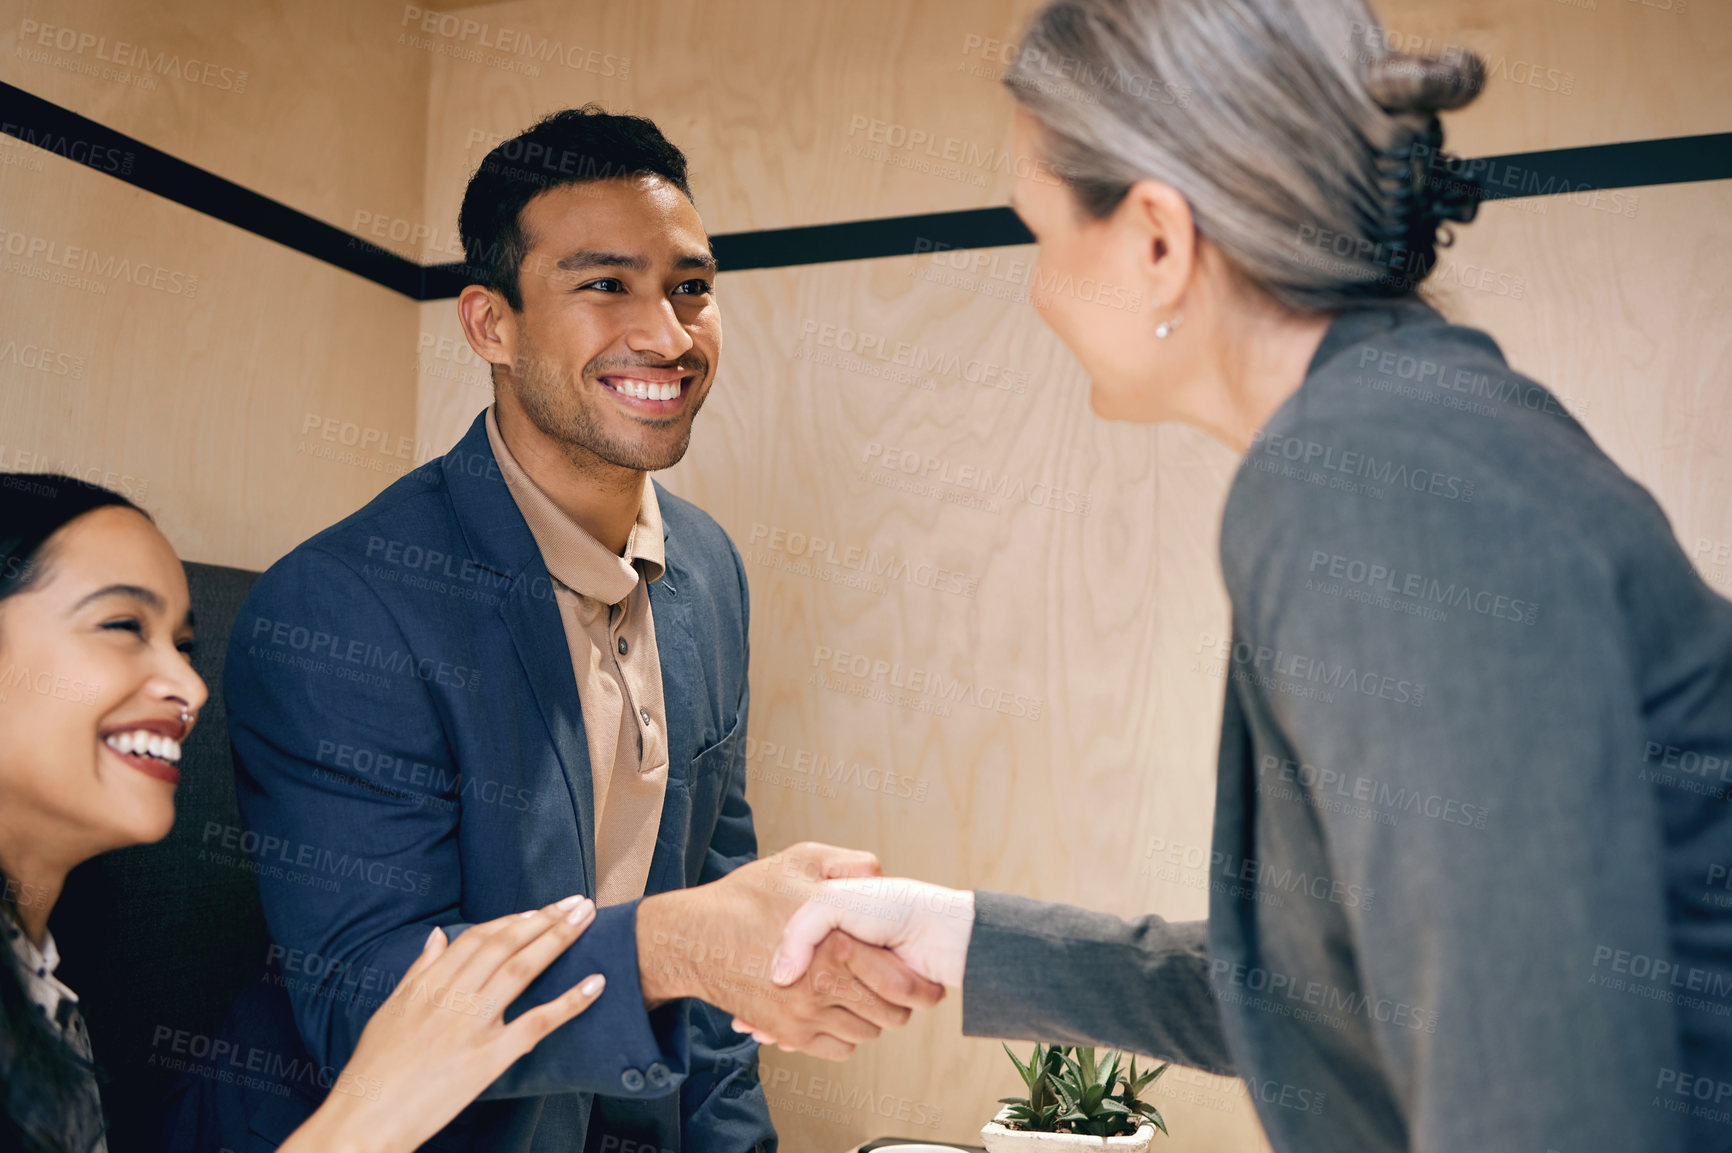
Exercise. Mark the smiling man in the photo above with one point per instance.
(520, 673)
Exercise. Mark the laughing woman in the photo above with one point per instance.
(95, 626)
(1477, 730)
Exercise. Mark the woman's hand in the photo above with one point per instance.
(927, 927)
(439, 1038)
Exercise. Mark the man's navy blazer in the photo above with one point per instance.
(412, 753)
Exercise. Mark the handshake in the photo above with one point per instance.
(812, 949)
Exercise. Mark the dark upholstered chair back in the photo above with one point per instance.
(157, 939)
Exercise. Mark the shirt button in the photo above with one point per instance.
(632, 1079)
(622, 646)
(644, 713)
(658, 1074)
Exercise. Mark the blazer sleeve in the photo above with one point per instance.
(1058, 974)
(355, 874)
(1531, 850)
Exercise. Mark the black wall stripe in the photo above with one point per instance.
(1634, 164)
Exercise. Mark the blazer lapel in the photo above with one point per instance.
(501, 542)
(531, 615)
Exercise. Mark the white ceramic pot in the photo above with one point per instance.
(998, 1139)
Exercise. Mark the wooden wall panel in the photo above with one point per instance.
(211, 365)
(313, 103)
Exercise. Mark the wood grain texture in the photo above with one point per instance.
(210, 364)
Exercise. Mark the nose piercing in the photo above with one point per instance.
(185, 717)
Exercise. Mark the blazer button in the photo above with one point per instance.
(658, 1074)
(632, 1079)
(644, 713)
(622, 646)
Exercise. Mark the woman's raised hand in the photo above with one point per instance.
(440, 1037)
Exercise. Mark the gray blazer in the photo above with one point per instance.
(1473, 818)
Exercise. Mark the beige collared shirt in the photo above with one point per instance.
(604, 604)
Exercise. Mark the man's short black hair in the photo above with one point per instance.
(575, 146)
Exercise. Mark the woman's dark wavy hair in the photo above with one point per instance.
(41, 1077)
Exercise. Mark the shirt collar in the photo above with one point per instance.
(38, 967)
(573, 557)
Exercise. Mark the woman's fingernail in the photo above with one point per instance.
(592, 984)
(562, 906)
(781, 971)
(581, 913)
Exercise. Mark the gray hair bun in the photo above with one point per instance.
(1424, 188)
(1425, 84)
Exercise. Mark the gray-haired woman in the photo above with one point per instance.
(1476, 750)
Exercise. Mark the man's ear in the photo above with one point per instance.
(1158, 219)
(489, 324)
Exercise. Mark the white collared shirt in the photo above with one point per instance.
(48, 993)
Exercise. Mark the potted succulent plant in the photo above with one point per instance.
(1076, 1101)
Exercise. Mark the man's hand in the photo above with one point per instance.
(715, 942)
(927, 927)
